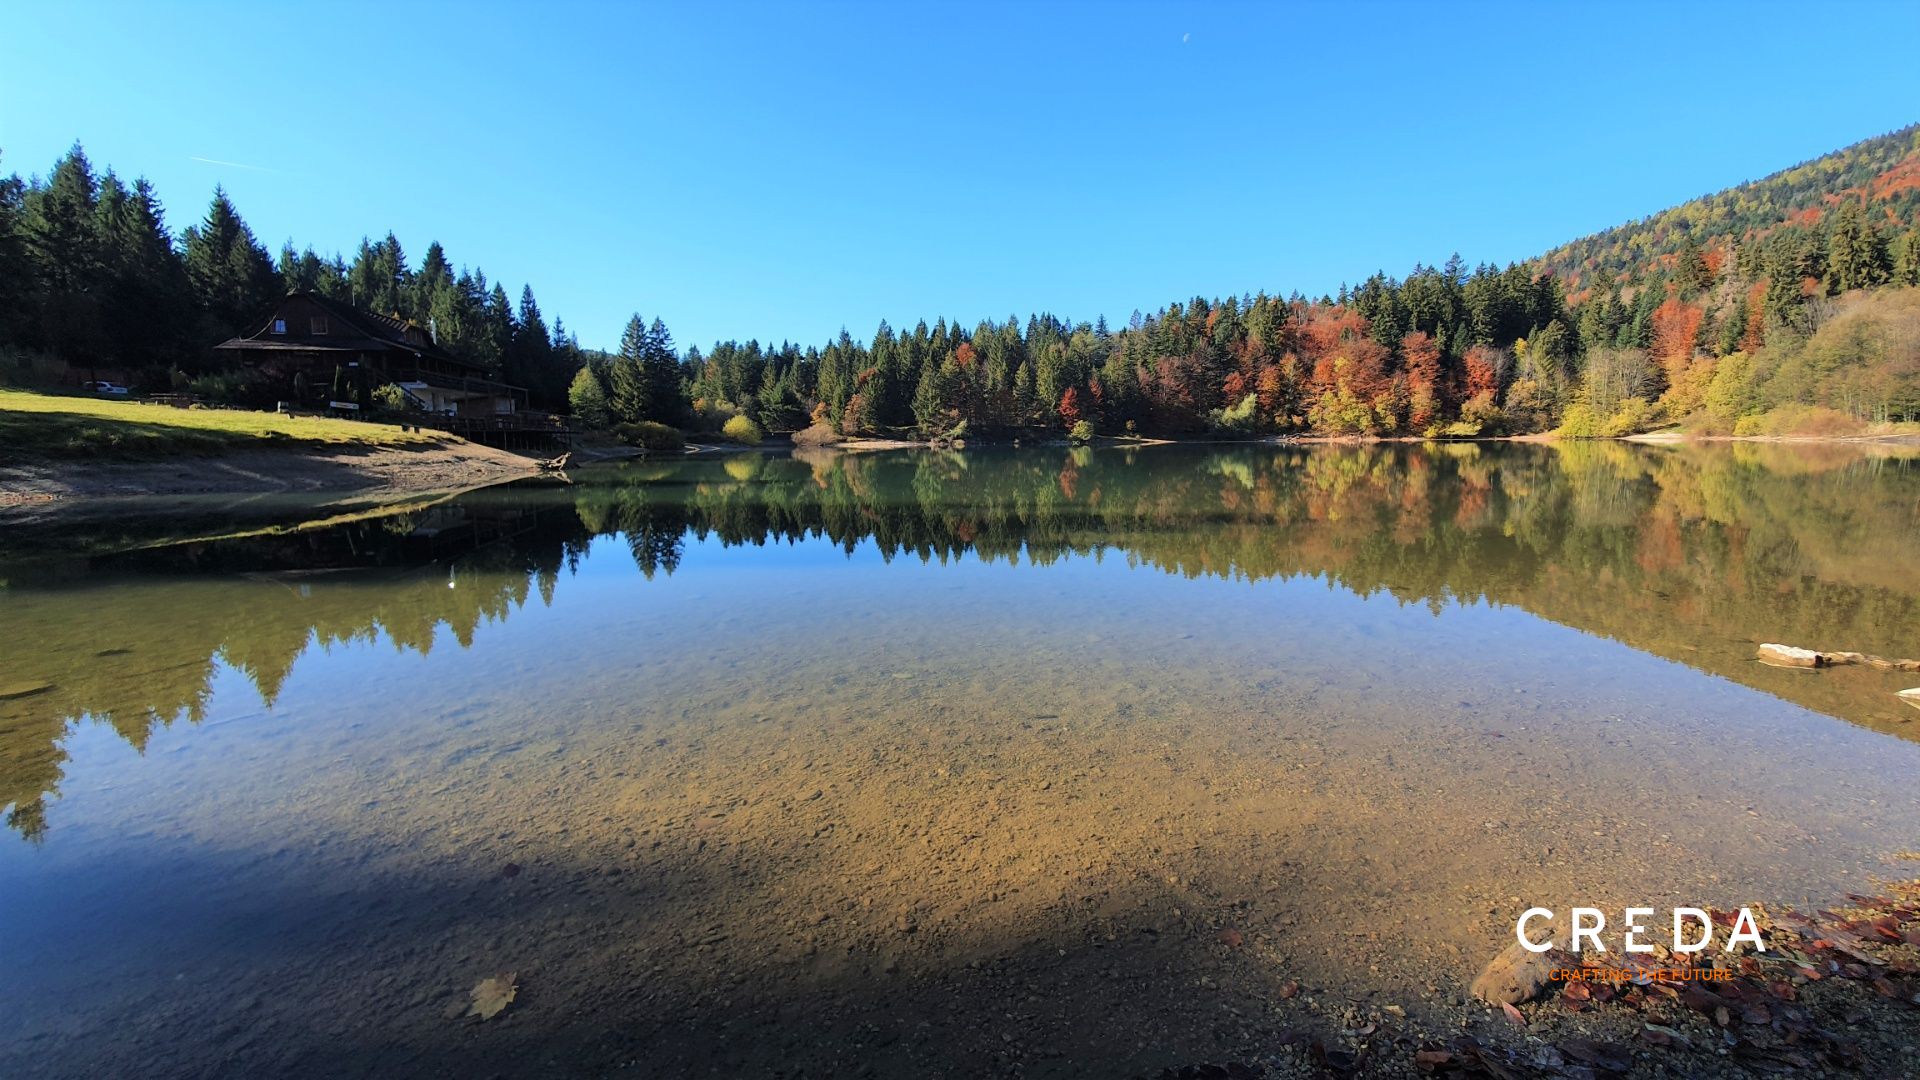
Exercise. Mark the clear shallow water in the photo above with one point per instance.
(794, 757)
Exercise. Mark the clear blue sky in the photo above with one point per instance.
(778, 171)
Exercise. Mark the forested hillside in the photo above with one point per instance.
(1783, 305)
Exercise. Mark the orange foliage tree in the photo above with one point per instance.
(1070, 406)
(1486, 370)
(1676, 324)
(1422, 356)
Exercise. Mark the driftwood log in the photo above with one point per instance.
(1790, 656)
(557, 464)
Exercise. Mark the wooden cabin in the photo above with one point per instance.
(332, 355)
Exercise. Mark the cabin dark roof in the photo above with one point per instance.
(349, 329)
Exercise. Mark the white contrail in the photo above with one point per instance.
(232, 164)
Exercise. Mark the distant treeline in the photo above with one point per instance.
(1784, 304)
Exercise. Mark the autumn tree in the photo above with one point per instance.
(1421, 356)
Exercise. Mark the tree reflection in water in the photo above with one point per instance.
(1692, 553)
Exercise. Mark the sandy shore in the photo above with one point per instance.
(450, 466)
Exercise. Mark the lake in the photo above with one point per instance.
(1038, 760)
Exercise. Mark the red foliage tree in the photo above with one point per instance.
(1676, 324)
(1486, 369)
(1422, 356)
(1070, 406)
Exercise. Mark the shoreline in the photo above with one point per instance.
(379, 472)
(455, 466)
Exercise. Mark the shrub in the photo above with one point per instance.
(1798, 420)
(739, 429)
(651, 436)
(390, 398)
(1480, 409)
(1635, 414)
(1082, 431)
(1579, 422)
(1239, 417)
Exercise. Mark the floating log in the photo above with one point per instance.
(1795, 657)
(557, 464)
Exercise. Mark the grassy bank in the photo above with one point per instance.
(48, 427)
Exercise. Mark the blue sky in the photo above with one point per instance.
(778, 171)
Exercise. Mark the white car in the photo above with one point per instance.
(105, 388)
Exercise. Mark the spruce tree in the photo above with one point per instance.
(62, 237)
(231, 275)
(1856, 256)
(629, 394)
(1906, 258)
(660, 370)
(149, 319)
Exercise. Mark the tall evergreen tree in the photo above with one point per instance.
(230, 273)
(1856, 256)
(62, 234)
(149, 320)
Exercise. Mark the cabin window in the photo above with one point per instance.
(279, 326)
(317, 325)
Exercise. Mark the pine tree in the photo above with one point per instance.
(230, 273)
(530, 354)
(62, 237)
(15, 266)
(660, 369)
(149, 321)
(1856, 256)
(1691, 272)
(1906, 258)
(629, 395)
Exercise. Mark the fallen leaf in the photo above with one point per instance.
(492, 994)
(1289, 989)
(1513, 1014)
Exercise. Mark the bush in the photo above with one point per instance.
(651, 436)
(236, 388)
(1799, 420)
(1238, 418)
(390, 398)
(739, 429)
(1082, 431)
(1635, 414)
(1480, 409)
(1579, 422)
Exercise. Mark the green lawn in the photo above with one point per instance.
(46, 426)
